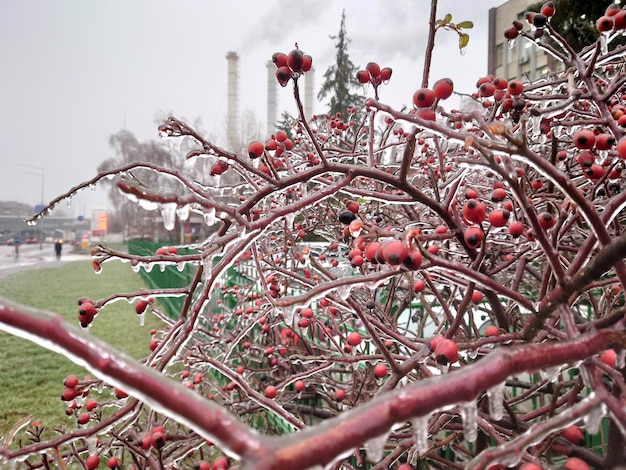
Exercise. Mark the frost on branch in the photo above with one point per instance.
(426, 284)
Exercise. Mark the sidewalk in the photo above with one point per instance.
(33, 259)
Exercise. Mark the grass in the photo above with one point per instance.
(31, 377)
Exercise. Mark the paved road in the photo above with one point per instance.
(32, 257)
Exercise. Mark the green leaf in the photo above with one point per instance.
(447, 19)
(463, 40)
(465, 25)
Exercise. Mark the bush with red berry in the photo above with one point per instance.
(429, 287)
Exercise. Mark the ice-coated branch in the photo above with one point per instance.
(322, 443)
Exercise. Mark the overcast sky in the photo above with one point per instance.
(74, 72)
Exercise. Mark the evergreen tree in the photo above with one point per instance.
(575, 20)
(340, 78)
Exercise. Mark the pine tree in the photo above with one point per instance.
(340, 78)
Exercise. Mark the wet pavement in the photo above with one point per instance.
(33, 257)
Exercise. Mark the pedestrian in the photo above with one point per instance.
(58, 247)
(16, 244)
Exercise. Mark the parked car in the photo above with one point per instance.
(31, 240)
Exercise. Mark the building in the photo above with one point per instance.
(520, 59)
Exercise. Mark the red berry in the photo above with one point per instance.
(546, 220)
(370, 251)
(353, 206)
(220, 463)
(374, 69)
(83, 418)
(492, 330)
(385, 74)
(113, 462)
(414, 260)
(423, 98)
(294, 60)
(380, 370)
(474, 211)
(219, 167)
(340, 395)
(530, 466)
(584, 139)
(363, 77)
(279, 59)
(574, 434)
(354, 338)
(140, 307)
(307, 62)
(87, 309)
(511, 33)
(91, 404)
(255, 149)
(419, 286)
(574, 463)
(548, 9)
(202, 466)
(443, 88)
(283, 75)
(92, 462)
(605, 141)
(516, 228)
(498, 195)
(499, 218)
(473, 236)
(486, 90)
(477, 297)
(395, 252)
(605, 24)
(300, 385)
(515, 87)
(608, 357)
(271, 391)
(446, 351)
(71, 381)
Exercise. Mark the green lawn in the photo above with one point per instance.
(31, 378)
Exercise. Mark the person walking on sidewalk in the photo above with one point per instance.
(58, 247)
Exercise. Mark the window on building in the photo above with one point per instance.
(500, 55)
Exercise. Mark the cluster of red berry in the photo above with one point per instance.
(291, 65)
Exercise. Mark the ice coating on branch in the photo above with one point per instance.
(142, 318)
(375, 447)
(420, 432)
(593, 419)
(495, 396)
(168, 212)
(469, 413)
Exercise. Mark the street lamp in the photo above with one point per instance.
(42, 174)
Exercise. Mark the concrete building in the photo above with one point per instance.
(520, 59)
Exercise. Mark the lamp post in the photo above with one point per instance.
(42, 174)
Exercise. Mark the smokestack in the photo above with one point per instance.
(272, 101)
(233, 97)
(308, 94)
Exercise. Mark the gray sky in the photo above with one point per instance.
(75, 72)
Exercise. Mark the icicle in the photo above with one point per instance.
(620, 360)
(469, 412)
(375, 448)
(511, 43)
(344, 291)
(356, 233)
(496, 397)
(182, 213)
(604, 43)
(289, 219)
(209, 216)
(593, 419)
(207, 264)
(168, 212)
(551, 374)
(287, 312)
(420, 432)
(142, 319)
